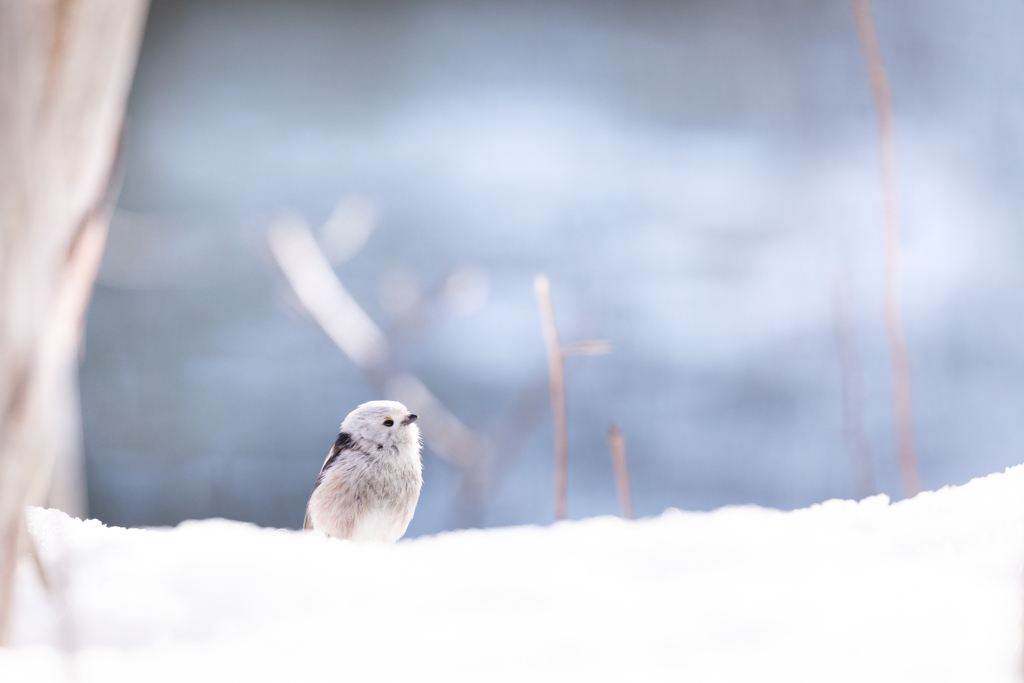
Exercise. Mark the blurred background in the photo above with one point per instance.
(698, 179)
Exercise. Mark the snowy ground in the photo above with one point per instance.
(921, 590)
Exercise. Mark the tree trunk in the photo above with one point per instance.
(65, 70)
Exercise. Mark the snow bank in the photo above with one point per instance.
(922, 590)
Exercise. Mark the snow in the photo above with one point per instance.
(928, 589)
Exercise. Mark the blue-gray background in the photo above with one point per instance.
(693, 176)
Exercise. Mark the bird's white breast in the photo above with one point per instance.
(336, 511)
(380, 526)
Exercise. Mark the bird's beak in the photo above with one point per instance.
(410, 419)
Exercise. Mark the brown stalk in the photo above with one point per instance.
(902, 404)
(617, 444)
(587, 348)
(555, 362)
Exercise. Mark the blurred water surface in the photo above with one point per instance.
(694, 177)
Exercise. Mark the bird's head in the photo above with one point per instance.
(385, 423)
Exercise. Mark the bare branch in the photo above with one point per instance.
(322, 293)
(617, 444)
(65, 71)
(554, 350)
(587, 348)
(902, 404)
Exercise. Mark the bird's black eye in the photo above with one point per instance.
(388, 422)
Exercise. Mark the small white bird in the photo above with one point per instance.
(369, 484)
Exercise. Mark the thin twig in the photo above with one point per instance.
(902, 404)
(853, 392)
(617, 444)
(323, 295)
(587, 348)
(556, 376)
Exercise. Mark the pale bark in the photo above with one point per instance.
(65, 70)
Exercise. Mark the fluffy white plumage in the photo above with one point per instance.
(370, 482)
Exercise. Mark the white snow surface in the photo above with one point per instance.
(928, 589)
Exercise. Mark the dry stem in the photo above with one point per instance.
(902, 404)
(618, 447)
(556, 375)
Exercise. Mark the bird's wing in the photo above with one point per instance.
(343, 443)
